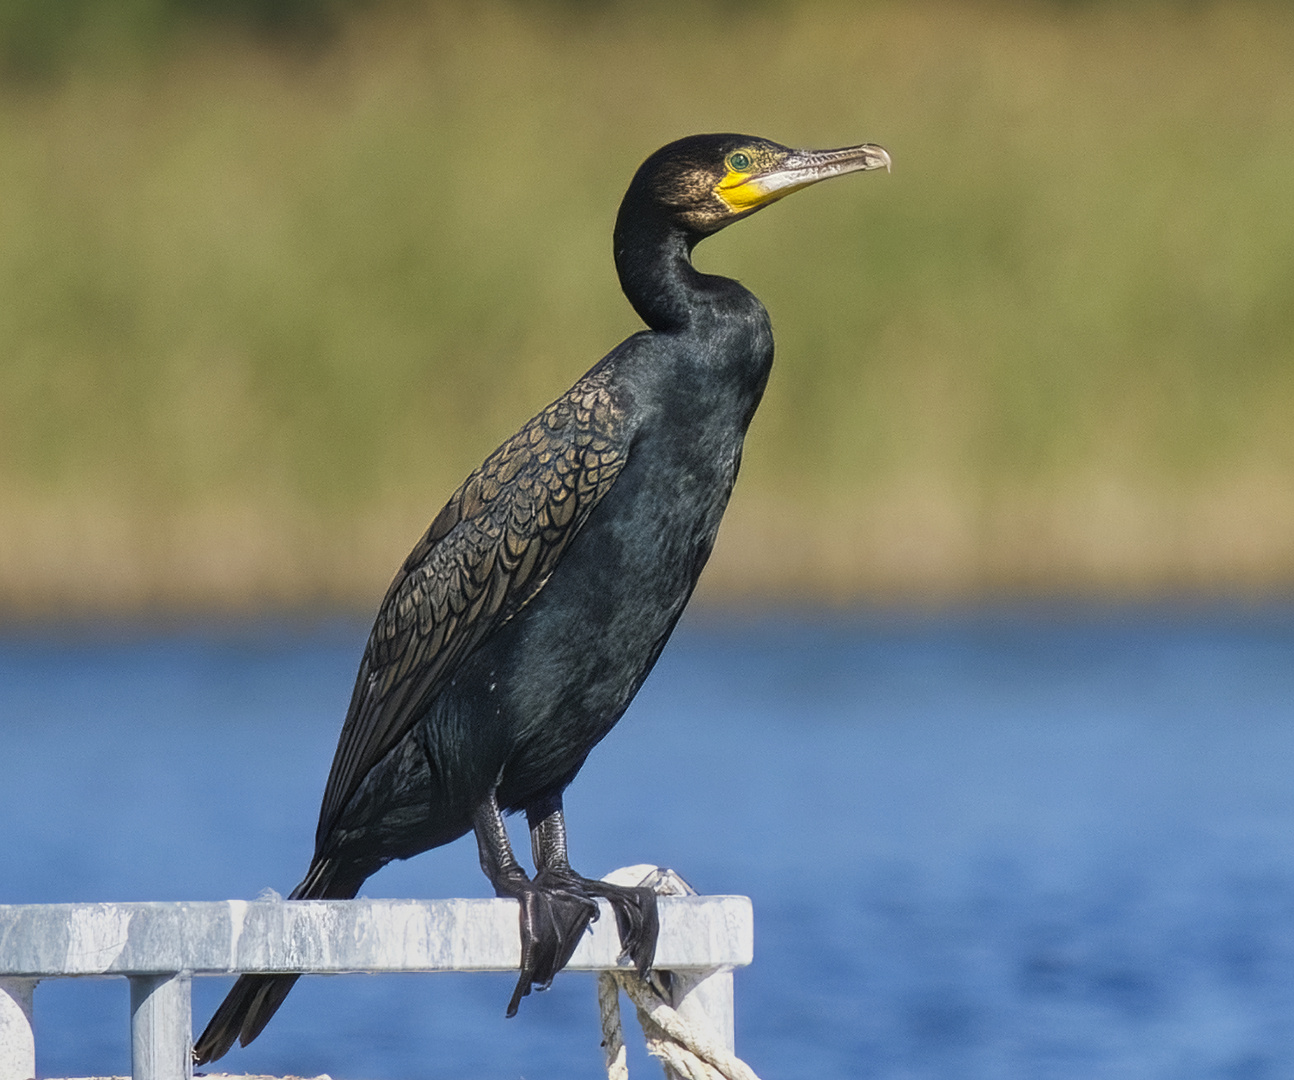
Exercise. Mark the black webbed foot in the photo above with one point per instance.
(635, 906)
(553, 919)
(552, 916)
(635, 909)
(558, 905)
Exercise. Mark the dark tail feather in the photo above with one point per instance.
(254, 999)
(243, 1014)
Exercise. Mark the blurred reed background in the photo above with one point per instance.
(275, 276)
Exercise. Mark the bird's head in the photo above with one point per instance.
(704, 182)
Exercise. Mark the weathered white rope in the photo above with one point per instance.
(688, 1050)
(613, 1043)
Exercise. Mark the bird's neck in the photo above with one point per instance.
(654, 261)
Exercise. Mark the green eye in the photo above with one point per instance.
(739, 162)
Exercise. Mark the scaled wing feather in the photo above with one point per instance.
(484, 557)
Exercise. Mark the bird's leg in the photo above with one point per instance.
(552, 917)
(635, 908)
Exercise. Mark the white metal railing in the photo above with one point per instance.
(159, 947)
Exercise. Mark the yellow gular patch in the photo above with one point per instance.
(740, 191)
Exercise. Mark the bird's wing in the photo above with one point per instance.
(487, 554)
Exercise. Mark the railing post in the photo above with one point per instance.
(161, 1027)
(17, 1043)
(705, 998)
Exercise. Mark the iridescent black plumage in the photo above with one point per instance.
(525, 620)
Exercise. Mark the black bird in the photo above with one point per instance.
(520, 627)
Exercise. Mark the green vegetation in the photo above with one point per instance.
(261, 307)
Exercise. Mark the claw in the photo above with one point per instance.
(521, 990)
(639, 925)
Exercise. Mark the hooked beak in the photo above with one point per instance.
(797, 170)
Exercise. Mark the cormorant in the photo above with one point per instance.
(522, 624)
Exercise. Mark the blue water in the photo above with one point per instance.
(994, 844)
